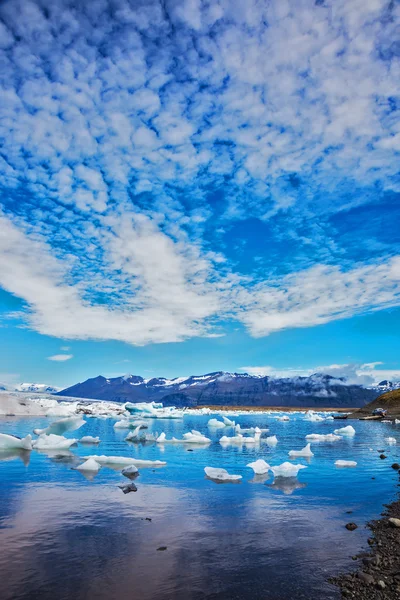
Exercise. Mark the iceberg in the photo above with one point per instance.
(126, 460)
(272, 440)
(396, 421)
(53, 442)
(238, 429)
(153, 410)
(89, 465)
(391, 440)
(60, 427)
(305, 452)
(260, 467)
(214, 423)
(349, 430)
(240, 439)
(318, 437)
(345, 463)
(220, 474)
(284, 418)
(314, 417)
(89, 439)
(193, 437)
(8, 442)
(287, 469)
(124, 424)
(228, 422)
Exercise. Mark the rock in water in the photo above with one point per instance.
(127, 488)
(131, 472)
(351, 526)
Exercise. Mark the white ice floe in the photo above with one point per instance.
(283, 418)
(260, 467)
(89, 465)
(318, 437)
(192, 437)
(238, 429)
(272, 440)
(329, 418)
(287, 469)
(214, 423)
(220, 474)
(396, 421)
(153, 410)
(349, 430)
(126, 460)
(391, 440)
(61, 426)
(305, 452)
(124, 424)
(241, 439)
(89, 439)
(313, 417)
(345, 463)
(52, 442)
(12, 442)
(228, 422)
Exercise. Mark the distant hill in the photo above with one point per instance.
(229, 389)
(390, 401)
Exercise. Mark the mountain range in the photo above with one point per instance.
(227, 389)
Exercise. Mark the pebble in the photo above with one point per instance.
(351, 526)
(161, 548)
(382, 456)
(381, 584)
(396, 466)
(394, 522)
(365, 577)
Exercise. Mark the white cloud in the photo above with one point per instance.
(60, 357)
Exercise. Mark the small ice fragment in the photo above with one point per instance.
(9, 442)
(214, 423)
(345, 463)
(126, 460)
(317, 437)
(52, 442)
(220, 474)
(272, 440)
(396, 421)
(391, 440)
(305, 452)
(89, 465)
(283, 418)
(124, 424)
(89, 439)
(349, 430)
(260, 467)
(287, 469)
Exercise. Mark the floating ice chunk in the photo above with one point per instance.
(283, 418)
(228, 422)
(89, 465)
(396, 421)
(124, 424)
(131, 472)
(238, 429)
(305, 452)
(240, 439)
(126, 460)
(89, 439)
(220, 474)
(349, 430)
(287, 469)
(214, 423)
(61, 426)
(53, 442)
(330, 418)
(328, 437)
(260, 467)
(272, 440)
(312, 416)
(345, 463)
(193, 437)
(8, 442)
(391, 440)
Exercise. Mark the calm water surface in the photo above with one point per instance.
(66, 537)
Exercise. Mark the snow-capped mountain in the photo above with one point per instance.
(37, 388)
(387, 386)
(230, 389)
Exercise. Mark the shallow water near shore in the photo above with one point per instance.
(65, 536)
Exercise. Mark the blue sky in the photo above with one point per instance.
(190, 186)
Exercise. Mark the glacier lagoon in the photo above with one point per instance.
(66, 534)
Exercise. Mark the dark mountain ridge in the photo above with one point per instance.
(233, 389)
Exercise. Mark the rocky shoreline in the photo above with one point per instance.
(378, 574)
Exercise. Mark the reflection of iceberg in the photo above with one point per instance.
(60, 427)
(317, 437)
(53, 442)
(287, 469)
(11, 441)
(349, 430)
(260, 467)
(126, 460)
(287, 485)
(193, 437)
(262, 478)
(12, 453)
(305, 452)
(345, 463)
(220, 474)
(214, 423)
